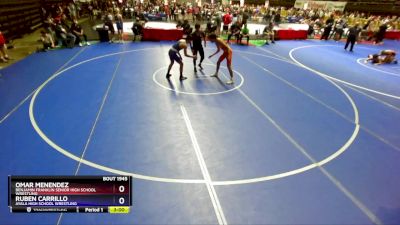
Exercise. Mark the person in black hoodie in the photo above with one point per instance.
(381, 33)
(328, 27)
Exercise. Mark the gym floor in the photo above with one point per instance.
(309, 134)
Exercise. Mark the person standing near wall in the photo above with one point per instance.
(120, 24)
(108, 22)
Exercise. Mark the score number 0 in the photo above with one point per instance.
(121, 200)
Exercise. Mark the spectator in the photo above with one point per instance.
(49, 26)
(120, 24)
(66, 38)
(173, 13)
(108, 23)
(267, 17)
(245, 16)
(211, 28)
(217, 21)
(381, 33)
(196, 13)
(47, 40)
(78, 9)
(3, 49)
(91, 12)
(227, 19)
(183, 13)
(339, 29)
(276, 17)
(234, 31)
(179, 24)
(269, 33)
(328, 27)
(137, 28)
(244, 34)
(78, 32)
(65, 22)
(187, 30)
(311, 31)
(72, 11)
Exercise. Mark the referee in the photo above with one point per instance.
(352, 35)
(196, 37)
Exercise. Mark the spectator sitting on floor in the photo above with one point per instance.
(384, 57)
(77, 31)
(244, 34)
(234, 31)
(65, 22)
(3, 49)
(66, 38)
(47, 40)
(49, 25)
(268, 33)
(137, 28)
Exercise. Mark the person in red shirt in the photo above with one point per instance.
(227, 19)
(3, 48)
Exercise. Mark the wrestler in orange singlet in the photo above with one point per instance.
(226, 55)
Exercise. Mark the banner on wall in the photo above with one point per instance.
(326, 5)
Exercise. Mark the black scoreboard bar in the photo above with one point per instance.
(78, 194)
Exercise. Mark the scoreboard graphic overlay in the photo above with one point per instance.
(78, 194)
